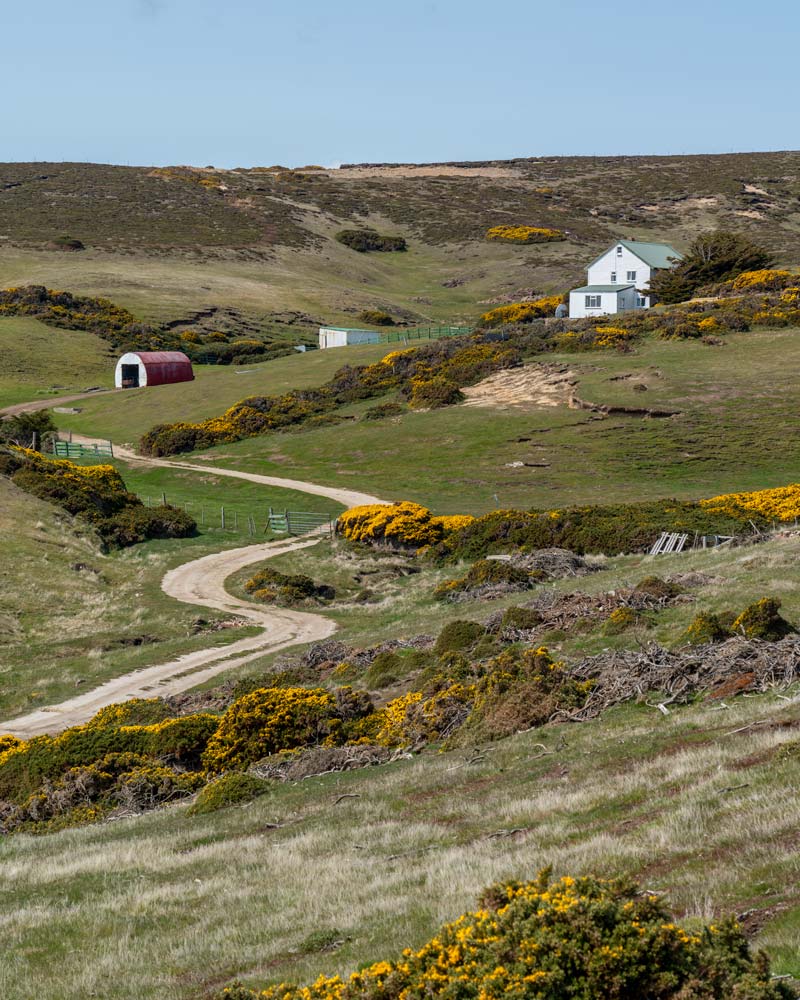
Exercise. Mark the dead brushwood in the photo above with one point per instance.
(717, 669)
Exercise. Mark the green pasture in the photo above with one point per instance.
(37, 361)
(735, 430)
(125, 416)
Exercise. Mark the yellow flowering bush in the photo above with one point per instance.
(404, 524)
(781, 503)
(765, 280)
(97, 494)
(269, 720)
(585, 938)
(524, 234)
(522, 312)
(612, 336)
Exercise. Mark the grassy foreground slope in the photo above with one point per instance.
(698, 805)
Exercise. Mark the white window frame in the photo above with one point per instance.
(641, 301)
(619, 251)
(631, 276)
(613, 277)
(593, 302)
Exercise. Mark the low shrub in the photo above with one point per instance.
(522, 312)
(432, 393)
(488, 575)
(706, 627)
(375, 317)
(764, 280)
(620, 620)
(272, 586)
(228, 790)
(762, 620)
(269, 720)
(384, 410)
(458, 635)
(524, 234)
(367, 240)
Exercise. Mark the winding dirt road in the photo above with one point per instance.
(202, 582)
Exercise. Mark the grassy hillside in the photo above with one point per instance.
(733, 431)
(38, 360)
(168, 242)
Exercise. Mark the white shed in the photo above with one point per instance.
(338, 336)
(600, 300)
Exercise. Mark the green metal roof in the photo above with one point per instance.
(654, 254)
(602, 288)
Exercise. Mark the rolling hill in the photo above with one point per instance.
(169, 243)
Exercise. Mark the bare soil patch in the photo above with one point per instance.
(533, 385)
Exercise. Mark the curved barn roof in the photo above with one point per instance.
(161, 357)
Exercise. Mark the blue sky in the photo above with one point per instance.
(258, 82)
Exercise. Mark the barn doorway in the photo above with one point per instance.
(130, 376)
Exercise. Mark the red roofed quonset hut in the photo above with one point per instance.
(139, 368)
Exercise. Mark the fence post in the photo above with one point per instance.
(163, 499)
(203, 516)
(288, 528)
(236, 520)
(222, 517)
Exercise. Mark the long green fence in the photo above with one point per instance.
(422, 333)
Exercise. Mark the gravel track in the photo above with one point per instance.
(202, 582)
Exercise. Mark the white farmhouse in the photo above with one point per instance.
(619, 278)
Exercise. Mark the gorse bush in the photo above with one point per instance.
(524, 234)
(402, 525)
(96, 494)
(270, 585)
(375, 317)
(488, 575)
(228, 790)
(571, 939)
(521, 312)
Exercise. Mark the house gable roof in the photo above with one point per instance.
(653, 254)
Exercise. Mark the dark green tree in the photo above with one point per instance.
(712, 257)
(27, 429)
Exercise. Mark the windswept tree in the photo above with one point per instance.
(28, 430)
(712, 257)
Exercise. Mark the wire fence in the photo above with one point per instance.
(250, 522)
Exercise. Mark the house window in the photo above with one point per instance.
(619, 251)
(641, 301)
(592, 301)
(631, 276)
(613, 277)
